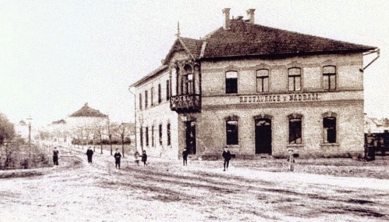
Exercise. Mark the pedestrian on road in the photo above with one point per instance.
(117, 156)
(136, 156)
(144, 158)
(227, 157)
(290, 159)
(185, 157)
(89, 153)
(55, 156)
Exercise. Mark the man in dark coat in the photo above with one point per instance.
(185, 157)
(55, 156)
(117, 156)
(144, 158)
(89, 153)
(227, 157)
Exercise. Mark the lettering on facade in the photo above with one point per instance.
(279, 98)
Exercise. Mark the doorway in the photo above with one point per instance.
(191, 137)
(263, 136)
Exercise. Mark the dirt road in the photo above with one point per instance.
(201, 191)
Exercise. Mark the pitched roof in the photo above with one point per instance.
(243, 39)
(150, 75)
(247, 39)
(86, 111)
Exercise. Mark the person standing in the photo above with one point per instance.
(136, 156)
(55, 156)
(290, 159)
(185, 157)
(144, 158)
(227, 157)
(117, 156)
(89, 153)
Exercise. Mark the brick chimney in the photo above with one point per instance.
(226, 12)
(250, 13)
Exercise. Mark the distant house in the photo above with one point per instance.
(84, 125)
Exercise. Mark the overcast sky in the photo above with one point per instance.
(57, 55)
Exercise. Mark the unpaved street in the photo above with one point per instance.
(167, 191)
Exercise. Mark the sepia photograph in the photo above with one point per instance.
(144, 110)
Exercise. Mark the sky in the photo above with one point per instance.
(57, 55)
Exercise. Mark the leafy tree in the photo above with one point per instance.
(7, 129)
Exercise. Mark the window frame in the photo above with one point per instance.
(295, 131)
(294, 76)
(159, 94)
(231, 82)
(232, 130)
(326, 78)
(168, 135)
(160, 134)
(262, 78)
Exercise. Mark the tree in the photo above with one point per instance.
(124, 130)
(7, 129)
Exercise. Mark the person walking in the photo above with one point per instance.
(185, 157)
(136, 156)
(117, 156)
(227, 157)
(144, 158)
(55, 156)
(89, 153)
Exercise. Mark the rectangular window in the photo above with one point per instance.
(263, 80)
(152, 137)
(329, 77)
(295, 131)
(159, 93)
(152, 96)
(232, 132)
(147, 136)
(187, 84)
(168, 134)
(140, 101)
(231, 82)
(294, 79)
(146, 99)
(329, 129)
(167, 89)
(160, 134)
(141, 136)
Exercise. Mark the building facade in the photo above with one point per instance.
(257, 90)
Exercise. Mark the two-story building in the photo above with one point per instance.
(255, 89)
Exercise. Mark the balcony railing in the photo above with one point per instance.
(186, 103)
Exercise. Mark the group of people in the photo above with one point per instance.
(226, 155)
(118, 157)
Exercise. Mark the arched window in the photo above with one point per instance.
(329, 127)
(141, 136)
(295, 129)
(232, 135)
(168, 134)
(160, 134)
(231, 82)
(187, 80)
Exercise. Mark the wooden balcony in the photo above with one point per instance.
(186, 103)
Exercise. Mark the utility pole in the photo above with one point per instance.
(29, 134)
